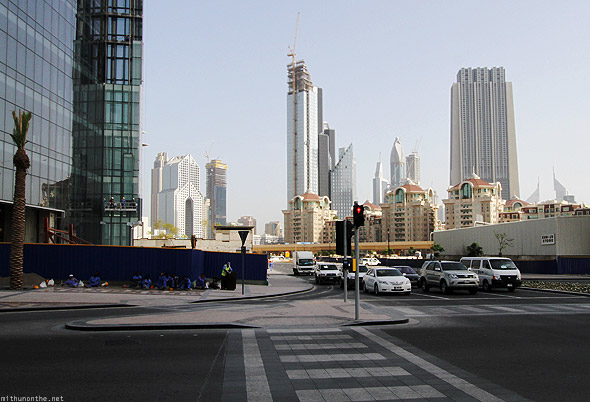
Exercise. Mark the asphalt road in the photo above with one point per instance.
(533, 344)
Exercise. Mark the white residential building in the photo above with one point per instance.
(181, 201)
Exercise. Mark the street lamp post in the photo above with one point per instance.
(387, 242)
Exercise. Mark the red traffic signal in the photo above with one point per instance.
(358, 214)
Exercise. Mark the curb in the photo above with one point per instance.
(53, 308)
(82, 326)
(253, 297)
(557, 291)
(380, 322)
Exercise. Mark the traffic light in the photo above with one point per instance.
(340, 237)
(358, 213)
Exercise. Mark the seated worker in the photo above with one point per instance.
(169, 281)
(147, 283)
(162, 281)
(201, 282)
(137, 280)
(72, 282)
(94, 280)
(185, 284)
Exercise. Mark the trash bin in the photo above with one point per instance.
(230, 281)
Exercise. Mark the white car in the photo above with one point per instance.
(383, 280)
(371, 261)
(327, 273)
(350, 281)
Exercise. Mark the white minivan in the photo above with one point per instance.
(494, 272)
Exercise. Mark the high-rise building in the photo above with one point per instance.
(326, 158)
(106, 125)
(397, 165)
(181, 201)
(344, 183)
(248, 221)
(483, 135)
(413, 167)
(216, 193)
(304, 123)
(36, 76)
(379, 184)
(273, 228)
(159, 163)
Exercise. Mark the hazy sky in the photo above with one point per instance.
(217, 71)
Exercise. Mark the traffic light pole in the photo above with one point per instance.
(356, 274)
(344, 265)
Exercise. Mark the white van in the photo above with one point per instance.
(494, 272)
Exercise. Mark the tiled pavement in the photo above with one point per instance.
(342, 364)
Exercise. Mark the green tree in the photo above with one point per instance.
(411, 251)
(171, 231)
(22, 163)
(503, 242)
(437, 249)
(474, 250)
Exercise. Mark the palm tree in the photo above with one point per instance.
(22, 163)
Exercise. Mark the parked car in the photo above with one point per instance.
(382, 280)
(371, 261)
(350, 278)
(494, 272)
(448, 276)
(409, 273)
(327, 273)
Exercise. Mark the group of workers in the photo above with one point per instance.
(93, 281)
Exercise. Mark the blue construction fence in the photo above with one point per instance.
(120, 263)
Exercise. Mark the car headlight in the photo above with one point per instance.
(383, 282)
(453, 276)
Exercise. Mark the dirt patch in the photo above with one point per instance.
(29, 280)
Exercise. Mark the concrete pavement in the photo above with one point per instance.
(184, 310)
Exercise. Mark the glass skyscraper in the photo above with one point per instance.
(36, 51)
(105, 199)
(216, 193)
(344, 183)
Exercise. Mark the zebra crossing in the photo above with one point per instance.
(491, 309)
(342, 364)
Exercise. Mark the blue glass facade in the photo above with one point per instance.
(36, 57)
(106, 129)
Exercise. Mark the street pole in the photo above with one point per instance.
(243, 235)
(356, 274)
(344, 266)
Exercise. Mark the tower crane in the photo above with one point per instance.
(209, 150)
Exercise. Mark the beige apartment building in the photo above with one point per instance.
(409, 213)
(305, 220)
(473, 200)
(522, 211)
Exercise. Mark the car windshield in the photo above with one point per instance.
(503, 263)
(453, 266)
(406, 270)
(363, 268)
(327, 267)
(305, 262)
(388, 272)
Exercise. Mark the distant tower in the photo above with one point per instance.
(304, 123)
(483, 135)
(326, 159)
(344, 183)
(413, 167)
(379, 183)
(216, 193)
(161, 160)
(397, 165)
(248, 221)
(181, 201)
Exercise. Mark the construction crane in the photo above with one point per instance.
(417, 145)
(209, 150)
(294, 95)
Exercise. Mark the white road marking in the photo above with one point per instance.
(257, 388)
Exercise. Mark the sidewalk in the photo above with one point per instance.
(192, 307)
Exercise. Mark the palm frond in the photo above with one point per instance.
(21, 128)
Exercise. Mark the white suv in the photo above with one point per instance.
(448, 275)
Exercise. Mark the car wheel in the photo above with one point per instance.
(295, 272)
(376, 290)
(511, 289)
(364, 288)
(341, 284)
(486, 286)
(473, 291)
(444, 288)
(424, 285)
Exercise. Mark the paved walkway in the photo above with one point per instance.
(182, 309)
